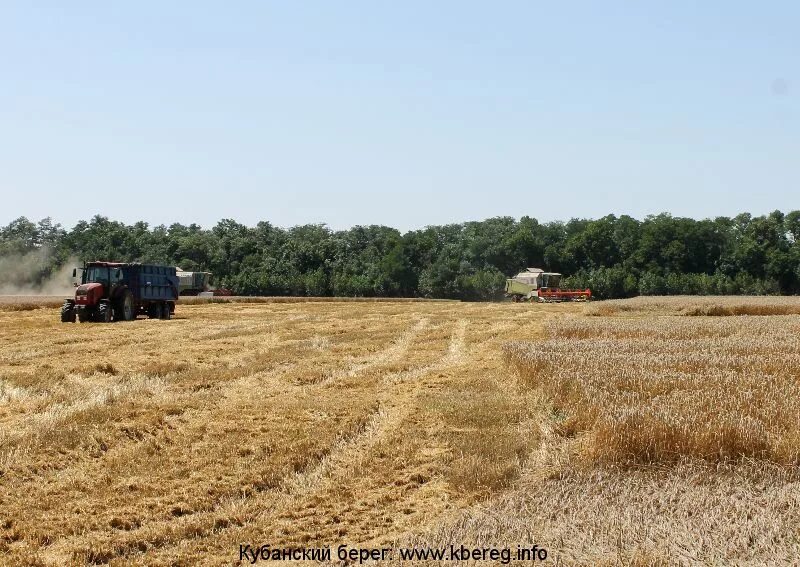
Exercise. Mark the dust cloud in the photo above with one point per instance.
(21, 274)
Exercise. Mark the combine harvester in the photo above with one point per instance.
(198, 283)
(535, 284)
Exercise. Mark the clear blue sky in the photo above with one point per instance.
(401, 113)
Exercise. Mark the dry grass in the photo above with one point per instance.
(168, 442)
(193, 300)
(693, 305)
(491, 433)
(688, 514)
(29, 302)
(642, 440)
(659, 389)
(669, 440)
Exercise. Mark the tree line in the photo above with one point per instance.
(614, 256)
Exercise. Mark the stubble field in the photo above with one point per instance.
(612, 433)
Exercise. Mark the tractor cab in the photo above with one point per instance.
(106, 275)
(99, 274)
(100, 283)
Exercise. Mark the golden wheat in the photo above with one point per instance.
(694, 305)
(658, 389)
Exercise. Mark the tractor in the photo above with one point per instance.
(114, 291)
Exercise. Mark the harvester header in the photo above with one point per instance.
(534, 284)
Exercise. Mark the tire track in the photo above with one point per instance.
(392, 353)
(454, 356)
(334, 428)
(342, 461)
(228, 511)
(386, 418)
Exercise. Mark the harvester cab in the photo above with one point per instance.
(116, 291)
(534, 284)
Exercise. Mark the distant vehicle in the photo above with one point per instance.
(113, 291)
(198, 283)
(534, 284)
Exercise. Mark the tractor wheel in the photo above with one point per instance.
(166, 314)
(126, 307)
(68, 313)
(104, 312)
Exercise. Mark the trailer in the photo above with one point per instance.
(117, 291)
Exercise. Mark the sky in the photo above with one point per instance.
(405, 114)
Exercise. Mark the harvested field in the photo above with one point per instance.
(197, 300)
(634, 439)
(30, 302)
(159, 442)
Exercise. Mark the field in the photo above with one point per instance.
(650, 431)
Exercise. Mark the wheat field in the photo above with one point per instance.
(631, 436)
